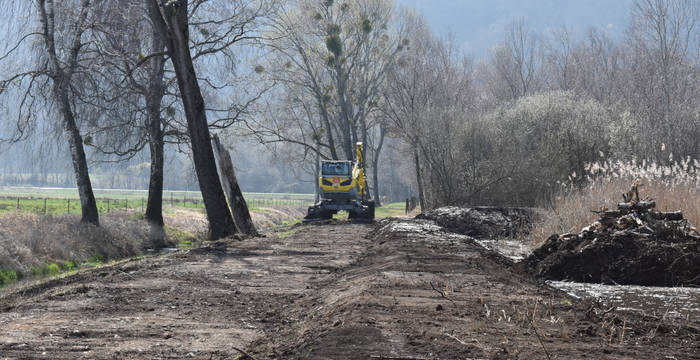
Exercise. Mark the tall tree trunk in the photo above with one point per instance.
(80, 169)
(171, 20)
(239, 207)
(317, 187)
(375, 166)
(154, 98)
(329, 132)
(154, 207)
(419, 179)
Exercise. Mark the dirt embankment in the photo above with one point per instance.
(405, 289)
(484, 222)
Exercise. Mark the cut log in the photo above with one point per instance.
(673, 215)
(236, 201)
(608, 218)
(637, 206)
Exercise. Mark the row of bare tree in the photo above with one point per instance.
(120, 75)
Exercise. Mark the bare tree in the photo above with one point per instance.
(331, 61)
(62, 28)
(170, 18)
(516, 60)
(140, 84)
(662, 33)
(130, 86)
(560, 59)
(410, 86)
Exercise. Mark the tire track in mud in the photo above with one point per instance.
(195, 304)
(422, 293)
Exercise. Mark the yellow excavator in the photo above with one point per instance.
(343, 187)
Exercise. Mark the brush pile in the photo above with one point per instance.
(483, 222)
(635, 244)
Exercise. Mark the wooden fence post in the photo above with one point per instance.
(68, 206)
(44, 206)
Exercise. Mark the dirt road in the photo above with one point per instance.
(395, 290)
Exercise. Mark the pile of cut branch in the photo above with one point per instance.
(634, 244)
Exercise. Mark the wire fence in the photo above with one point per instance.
(59, 206)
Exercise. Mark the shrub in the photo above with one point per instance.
(41, 245)
(68, 265)
(52, 269)
(7, 277)
(543, 138)
(96, 259)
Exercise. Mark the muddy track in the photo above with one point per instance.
(396, 290)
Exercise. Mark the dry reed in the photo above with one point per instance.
(674, 186)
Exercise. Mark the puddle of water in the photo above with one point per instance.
(162, 251)
(671, 302)
(675, 302)
(678, 302)
(412, 227)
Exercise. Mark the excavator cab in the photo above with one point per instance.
(336, 168)
(342, 187)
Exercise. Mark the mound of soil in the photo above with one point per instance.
(483, 222)
(634, 245)
(619, 258)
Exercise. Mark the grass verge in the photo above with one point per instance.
(396, 209)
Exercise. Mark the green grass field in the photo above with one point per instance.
(390, 210)
(57, 201)
(395, 209)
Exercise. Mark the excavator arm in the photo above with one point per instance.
(358, 171)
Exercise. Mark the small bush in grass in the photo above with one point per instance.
(7, 277)
(68, 265)
(37, 271)
(138, 216)
(48, 269)
(674, 186)
(98, 259)
(179, 236)
(52, 269)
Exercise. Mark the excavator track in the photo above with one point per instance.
(362, 213)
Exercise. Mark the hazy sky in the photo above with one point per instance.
(479, 24)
